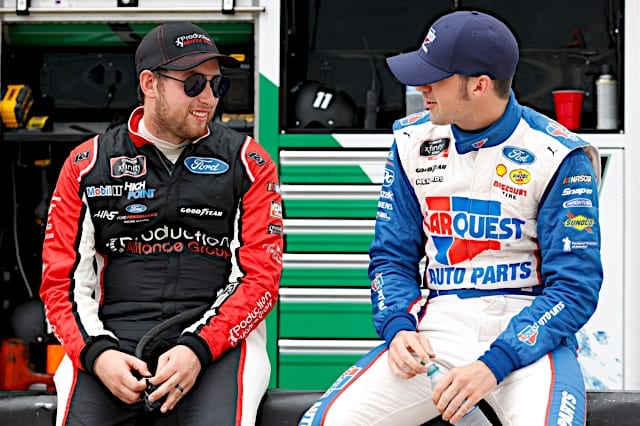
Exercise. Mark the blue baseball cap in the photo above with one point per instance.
(465, 42)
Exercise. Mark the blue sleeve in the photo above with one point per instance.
(571, 271)
(396, 252)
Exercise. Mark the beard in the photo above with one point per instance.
(175, 123)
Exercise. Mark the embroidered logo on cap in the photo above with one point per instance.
(185, 40)
(431, 36)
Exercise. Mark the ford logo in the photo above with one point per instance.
(206, 166)
(136, 208)
(518, 155)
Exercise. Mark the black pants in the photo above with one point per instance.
(212, 401)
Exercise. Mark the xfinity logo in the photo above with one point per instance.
(206, 166)
(126, 166)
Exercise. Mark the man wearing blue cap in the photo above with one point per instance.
(502, 202)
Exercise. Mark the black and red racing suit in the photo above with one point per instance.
(133, 240)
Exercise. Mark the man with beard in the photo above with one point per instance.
(162, 255)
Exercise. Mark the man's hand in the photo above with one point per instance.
(177, 371)
(461, 388)
(409, 353)
(114, 368)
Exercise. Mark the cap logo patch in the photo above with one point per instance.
(185, 40)
(431, 36)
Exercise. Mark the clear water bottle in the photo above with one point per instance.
(474, 416)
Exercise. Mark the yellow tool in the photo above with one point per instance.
(15, 105)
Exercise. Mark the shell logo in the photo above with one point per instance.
(520, 176)
(501, 170)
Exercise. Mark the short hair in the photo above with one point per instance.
(503, 88)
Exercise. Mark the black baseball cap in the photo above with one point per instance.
(465, 42)
(178, 46)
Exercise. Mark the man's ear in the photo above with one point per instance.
(147, 84)
(482, 84)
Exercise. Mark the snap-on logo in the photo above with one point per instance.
(206, 166)
(518, 155)
(136, 208)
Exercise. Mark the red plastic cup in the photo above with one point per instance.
(568, 105)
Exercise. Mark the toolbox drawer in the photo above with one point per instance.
(326, 314)
(326, 235)
(325, 270)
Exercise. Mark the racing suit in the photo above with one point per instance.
(507, 220)
(133, 240)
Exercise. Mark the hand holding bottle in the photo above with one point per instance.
(473, 417)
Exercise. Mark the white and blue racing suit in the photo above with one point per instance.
(507, 220)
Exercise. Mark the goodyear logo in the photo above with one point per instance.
(520, 176)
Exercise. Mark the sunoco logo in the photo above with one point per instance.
(579, 222)
(206, 166)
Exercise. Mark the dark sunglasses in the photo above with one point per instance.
(195, 84)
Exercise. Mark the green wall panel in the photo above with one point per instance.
(268, 116)
(312, 372)
(323, 174)
(324, 277)
(349, 209)
(326, 320)
(308, 141)
(327, 243)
